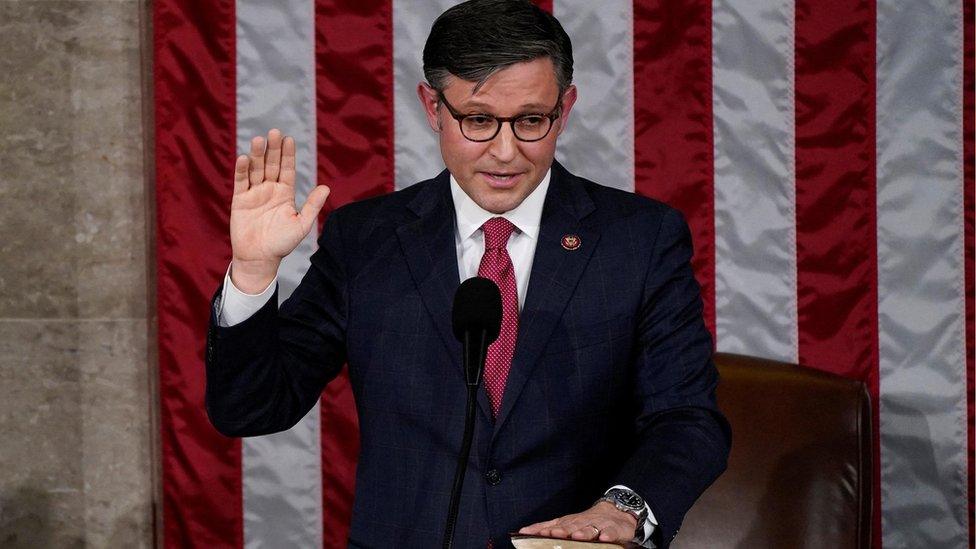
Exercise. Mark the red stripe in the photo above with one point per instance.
(673, 121)
(194, 86)
(969, 156)
(340, 449)
(836, 196)
(544, 4)
(354, 97)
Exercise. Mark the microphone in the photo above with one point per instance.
(477, 320)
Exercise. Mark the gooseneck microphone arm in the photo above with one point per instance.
(477, 317)
(469, 413)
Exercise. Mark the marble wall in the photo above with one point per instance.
(76, 433)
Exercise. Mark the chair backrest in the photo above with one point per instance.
(800, 470)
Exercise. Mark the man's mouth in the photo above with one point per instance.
(501, 180)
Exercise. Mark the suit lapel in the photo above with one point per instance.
(431, 253)
(555, 272)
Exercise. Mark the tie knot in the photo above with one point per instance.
(497, 230)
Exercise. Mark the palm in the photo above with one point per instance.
(264, 223)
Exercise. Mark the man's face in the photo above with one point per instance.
(499, 174)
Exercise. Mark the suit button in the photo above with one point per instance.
(493, 477)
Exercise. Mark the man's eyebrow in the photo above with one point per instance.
(528, 107)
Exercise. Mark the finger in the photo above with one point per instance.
(613, 533)
(586, 531)
(534, 528)
(287, 173)
(256, 174)
(313, 205)
(562, 529)
(240, 174)
(272, 157)
(574, 524)
(557, 532)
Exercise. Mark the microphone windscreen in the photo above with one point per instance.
(477, 306)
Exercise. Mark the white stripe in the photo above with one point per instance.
(599, 141)
(755, 235)
(282, 473)
(921, 284)
(417, 155)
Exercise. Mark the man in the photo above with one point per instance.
(600, 387)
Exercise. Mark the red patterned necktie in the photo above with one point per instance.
(496, 265)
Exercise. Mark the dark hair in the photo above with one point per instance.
(476, 39)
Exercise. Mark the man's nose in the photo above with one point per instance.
(504, 146)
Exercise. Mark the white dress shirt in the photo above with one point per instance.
(470, 239)
(237, 306)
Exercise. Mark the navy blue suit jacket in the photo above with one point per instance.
(612, 380)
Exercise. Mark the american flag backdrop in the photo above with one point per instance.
(821, 150)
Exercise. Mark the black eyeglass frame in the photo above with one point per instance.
(555, 113)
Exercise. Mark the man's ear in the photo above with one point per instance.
(568, 100)
(429, 99)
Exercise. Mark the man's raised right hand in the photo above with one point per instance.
(264, 223)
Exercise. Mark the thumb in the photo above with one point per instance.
(313, 205)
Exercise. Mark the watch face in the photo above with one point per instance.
(630, 499)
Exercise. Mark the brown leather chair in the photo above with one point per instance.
(800, 470)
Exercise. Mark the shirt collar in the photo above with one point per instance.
(526, 216)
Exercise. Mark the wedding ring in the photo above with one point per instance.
(595, 528)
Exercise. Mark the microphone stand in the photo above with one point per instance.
(472, 373)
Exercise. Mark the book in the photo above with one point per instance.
(523, 541)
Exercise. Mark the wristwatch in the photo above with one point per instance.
(629, 502)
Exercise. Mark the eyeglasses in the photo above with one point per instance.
(484, 127)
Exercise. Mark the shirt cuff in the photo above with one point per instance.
(236, 306)
(649, 524)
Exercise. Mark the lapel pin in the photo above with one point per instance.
(571, 242)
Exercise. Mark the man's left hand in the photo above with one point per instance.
(602, 522)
